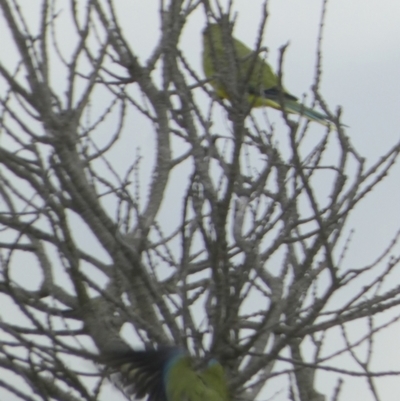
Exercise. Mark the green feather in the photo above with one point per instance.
(214, 377)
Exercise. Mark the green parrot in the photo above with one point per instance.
(167, 374)
(263, 83)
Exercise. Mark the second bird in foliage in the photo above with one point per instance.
(167, 374)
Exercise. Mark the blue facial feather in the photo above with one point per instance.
(174, 356)
(212, 362)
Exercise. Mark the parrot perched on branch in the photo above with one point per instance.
(167, 374)
(262, 83)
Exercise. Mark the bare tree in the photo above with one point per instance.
(247, 266)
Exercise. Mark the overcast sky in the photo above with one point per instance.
(361, 73)
(361, 64)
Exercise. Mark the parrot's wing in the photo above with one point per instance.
(250, 66)
(142, 373)
(214, 378)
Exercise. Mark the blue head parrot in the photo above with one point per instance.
(167, 374)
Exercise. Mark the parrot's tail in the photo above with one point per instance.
(297, 108)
